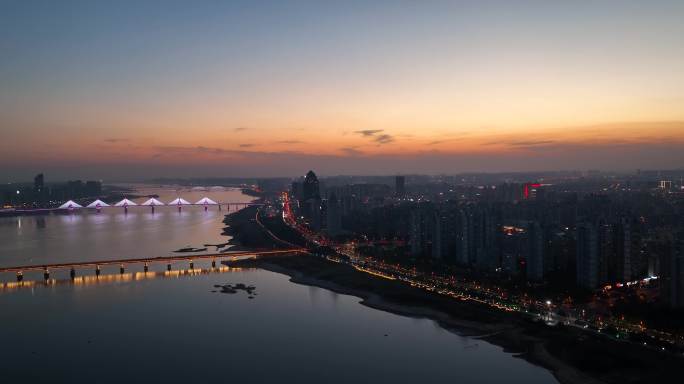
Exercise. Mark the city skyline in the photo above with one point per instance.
(239, 89)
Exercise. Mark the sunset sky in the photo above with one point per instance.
(128, 90)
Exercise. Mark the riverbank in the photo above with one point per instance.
(572, 356)
(245, 233)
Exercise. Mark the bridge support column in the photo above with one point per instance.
(72, 273)
(20, 276)
(192, 265)
(168, 267)
(121, 269)
(46, 274)
(213, 263)
(97, 270)
(146, 268)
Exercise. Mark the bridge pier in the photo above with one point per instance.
(72, 273)
(192, 265)
(97, 270)
(168, 267)
(121, 269)
(46, 274)
(20, 276)
(213, 263)
(146, 268)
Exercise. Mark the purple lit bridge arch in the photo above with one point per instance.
(152, 202)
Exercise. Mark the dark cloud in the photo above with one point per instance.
(368, 132)
(374, 135)
(384, 139)
(351, 151)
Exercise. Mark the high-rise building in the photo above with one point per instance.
(677, 275)
(424, 232)
(333, 215)
(311, 210)
(38, 184)
(535, 252)
(665, 185)
(462, 237)
(587, 256)
(482, 239)
(622, 245)
(39, 192)
(400, 185)
(671, 270)
(310, 189)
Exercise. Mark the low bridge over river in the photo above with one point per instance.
(124, 263)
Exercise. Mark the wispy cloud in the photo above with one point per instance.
(374, 134)
(289, 142)
(246, 145)
(351, 151)
(240, 129)
(368, 132)
(530, 143)
(384, 139)
(116, 140)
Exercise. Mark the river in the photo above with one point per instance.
(180, 328)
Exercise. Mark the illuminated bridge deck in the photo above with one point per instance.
(161, 259)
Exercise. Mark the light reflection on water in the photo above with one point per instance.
(114, 234)
(116, 278)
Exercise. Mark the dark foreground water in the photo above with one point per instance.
(173, 328)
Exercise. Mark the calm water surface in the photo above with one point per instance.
(175, 329)
(112, 233)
